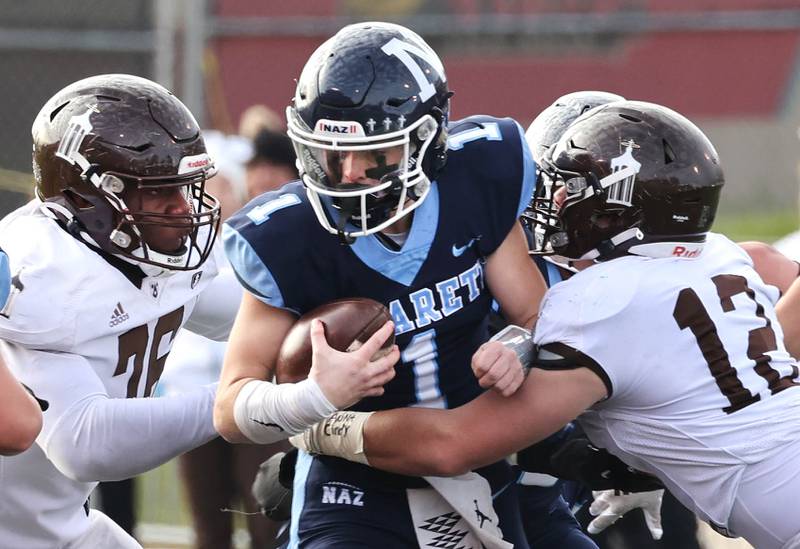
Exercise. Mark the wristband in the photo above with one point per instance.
(341, 435)
(266, 413)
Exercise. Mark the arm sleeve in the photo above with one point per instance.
(5, 279)
(91, 437)
(216, 308)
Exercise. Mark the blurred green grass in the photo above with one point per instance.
(160, 497)
(766, 227)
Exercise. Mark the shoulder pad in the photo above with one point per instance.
(49, 276)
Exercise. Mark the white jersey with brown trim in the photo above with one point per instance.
(700, 384)
(66, 297)
(75, 317)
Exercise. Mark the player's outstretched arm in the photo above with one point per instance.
(90, 436)
(250, 408)
(451, 442)
(772, 266)
(20, 415)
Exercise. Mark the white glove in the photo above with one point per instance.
(609, 505)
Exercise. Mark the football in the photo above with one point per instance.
(348, 324)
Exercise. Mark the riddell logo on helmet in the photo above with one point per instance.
(683, 251)
(334, 127)
(194, 163)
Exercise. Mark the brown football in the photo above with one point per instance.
(347, 321)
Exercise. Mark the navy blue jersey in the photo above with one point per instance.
(433, 286)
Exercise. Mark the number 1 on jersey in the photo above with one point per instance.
(423, 354)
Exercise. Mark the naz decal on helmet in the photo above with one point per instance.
(338, 127)
(622, 191)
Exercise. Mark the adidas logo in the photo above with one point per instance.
(118, 316)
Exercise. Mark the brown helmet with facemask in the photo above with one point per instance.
(99, 138)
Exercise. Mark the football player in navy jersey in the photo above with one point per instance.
(401, 205)
(666, 344)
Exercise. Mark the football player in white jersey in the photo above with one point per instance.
(111, 259)
(665, 345)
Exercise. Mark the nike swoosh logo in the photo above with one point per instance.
(458, 251)
(278, 427)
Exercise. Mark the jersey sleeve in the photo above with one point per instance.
(250, 238)
(492, 158)
(81, 419)
(217, 304)
(43, 296)
(575, 320)
(5, 280)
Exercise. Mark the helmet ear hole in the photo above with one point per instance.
(426, 129)
(57, 110)
(669, 154)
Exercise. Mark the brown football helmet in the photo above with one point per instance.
(99, 138)
(541, 135)
(637, 176)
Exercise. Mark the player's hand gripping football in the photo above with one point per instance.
(346, 378)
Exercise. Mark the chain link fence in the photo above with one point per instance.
(45, 46)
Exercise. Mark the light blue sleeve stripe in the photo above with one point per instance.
(301, 471)
(5, 279)
(528, 173)
(553, 274)
(249, 268)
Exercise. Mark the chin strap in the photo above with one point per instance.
(346, 208)
(54, 209)
(609, 249)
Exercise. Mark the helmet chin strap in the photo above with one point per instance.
(156, 270)
(607, 248)
(346, 208)
(54, 210)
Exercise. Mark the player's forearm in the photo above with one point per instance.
(20, 416)
(21, 425)
(450, 442)
(224, 420)
(772, 266)
(111, 439)
(386, 443)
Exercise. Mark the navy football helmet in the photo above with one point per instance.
(375, 94)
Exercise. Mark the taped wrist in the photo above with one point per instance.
(341, 435)
(518, 340)
(266, 413)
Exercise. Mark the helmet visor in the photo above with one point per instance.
(353, 168)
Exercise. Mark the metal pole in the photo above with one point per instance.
(164, 54)
(194, 43)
